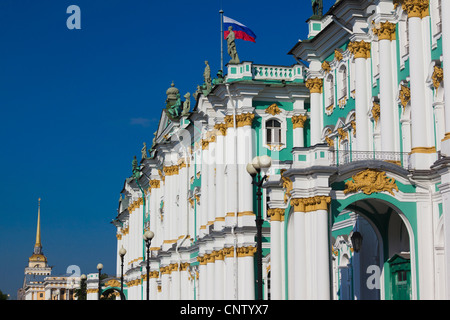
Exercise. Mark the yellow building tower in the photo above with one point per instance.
(37, 269)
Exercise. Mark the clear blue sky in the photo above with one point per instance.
(76, 106)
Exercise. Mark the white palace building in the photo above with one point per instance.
(356, 196)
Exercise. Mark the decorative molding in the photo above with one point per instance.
(385, 30)
(287, 184)
(273, 109)
(404, 95)
(299, 121)
(437, 77)
(375, 112)
(370, 181)
(244, 119)
(314, 85)
(343, 135)
(326, 66)
(414, 8)
(360, 49)
(310, 204)
(338, 55)
(248, 251)
(275, 214)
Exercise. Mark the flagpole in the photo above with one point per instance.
(221, 39)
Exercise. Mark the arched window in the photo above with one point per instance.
(342, 82)
(273, 132)
(329, 91)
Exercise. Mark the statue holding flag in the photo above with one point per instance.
(232, 46)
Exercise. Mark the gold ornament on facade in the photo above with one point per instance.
(112, 283)
(353, 124)
(299, 121)
(360, 49)
(248, 251)
(375, 112)
(273, 109)
(287, 184)
(338, 55)
(343, 135)
(437, 77)
(221, 129)
(229, 121)
(244, 119)
(326, 66)
(385, 30)
(314, 85)
(310, 204)
(329, 141)
(404, 95)
(275, 214)
(370, 181)
(415, 8)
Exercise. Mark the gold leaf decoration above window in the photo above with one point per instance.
(273, 109)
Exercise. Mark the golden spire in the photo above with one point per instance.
(38, 231)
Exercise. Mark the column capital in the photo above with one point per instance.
(276, 214)
(314, 85)
(360, 49)
(385, 30)
(244, 119)
(414, 8)
(310, 204)
(299, 121)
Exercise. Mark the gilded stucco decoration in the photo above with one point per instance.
(370, 181)
(360, 49)
(287, 184)
(404, 95)
(375, 112)
(273, 109)
(299, 121)
(314, 85)
(437, 77)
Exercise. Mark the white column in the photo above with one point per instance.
(315, 87)
(231, 176)
(361, 51)
(422, 151)
(245, 155)
(444, 187)
(389, 130)
(219, 275)
(246, 273)
(220, 178)
(184, 281)
(210, 276)
(322, 255)
(211, 177)
(300, 262)
(276, 248)
(204, 188)
(445, 9)
(175, 285)
(298, 123)
(165, 284)
(229, 273)
(202, 279)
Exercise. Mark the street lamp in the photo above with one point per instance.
(148, 236)
(122, 253)
(254, 168)
(99, 268)
(83, 287)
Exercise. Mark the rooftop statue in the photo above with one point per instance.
(173, 111)
(207, 76)
(317, 6)
(144, 151)
(186, 104)
(232, 46)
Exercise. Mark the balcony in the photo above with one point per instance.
(250, 71)
(342, 157)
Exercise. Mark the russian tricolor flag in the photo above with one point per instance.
(241, 31)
